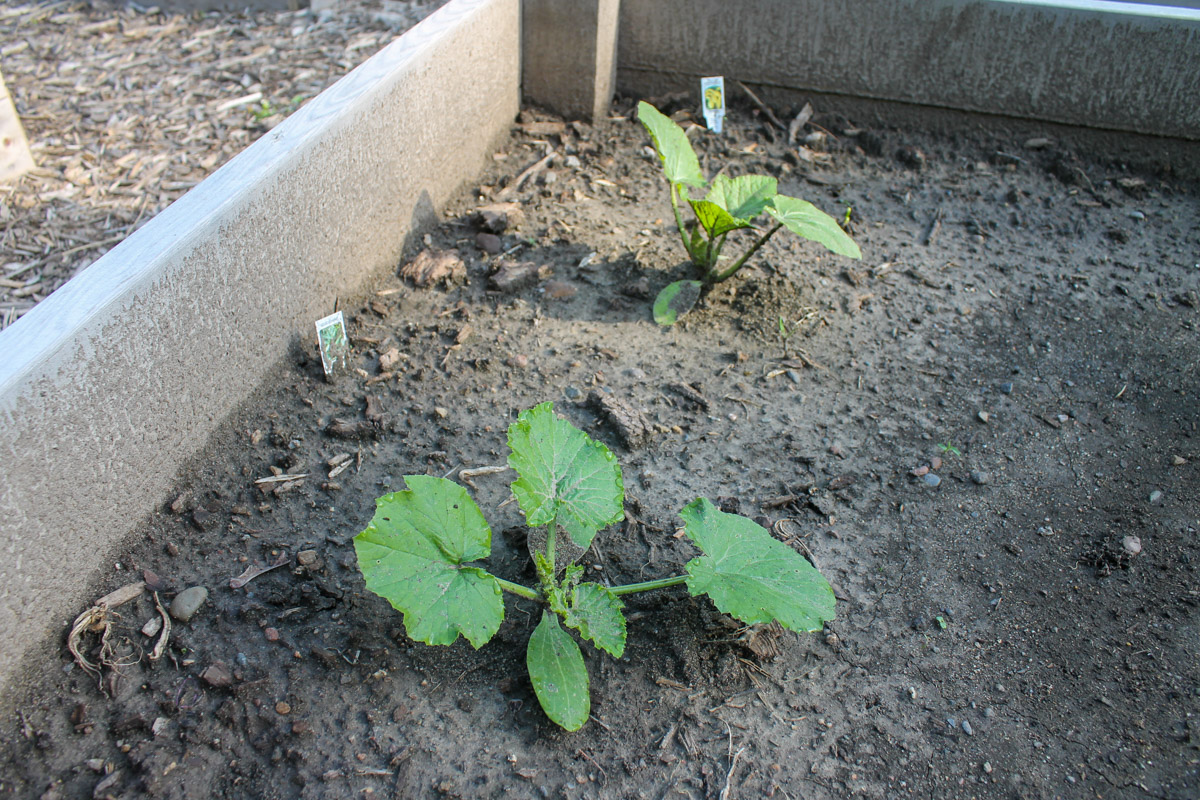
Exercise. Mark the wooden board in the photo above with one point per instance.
(15, 158)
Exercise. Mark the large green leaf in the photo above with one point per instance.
(559, 676)
(715, 220)
(679, 159)
(596, 613)
(804, 219)
(675, 300)
(564, 474)
(751, 575)
(412, 555)
(744, 197)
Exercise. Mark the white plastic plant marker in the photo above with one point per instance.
(335, 346)
(712, 92)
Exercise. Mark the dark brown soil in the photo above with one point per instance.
(1027, 315)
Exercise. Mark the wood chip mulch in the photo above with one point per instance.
(127, 108)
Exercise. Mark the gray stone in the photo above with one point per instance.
(979, 476)
(931, 479)
(188, 602)
(1155, 496)
(967, 729)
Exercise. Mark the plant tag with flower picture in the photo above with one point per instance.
(712, 90)
(334, 345)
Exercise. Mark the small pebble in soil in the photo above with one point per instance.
(984, 417)
(919, 623)
(987, 767)
(989, 712)
(306, 558)
(931, 479)
(1132, 545)
(1138, 215)
(967, 729)
(559, 290)
(283, 708)
(635, 373)
(272, 634)
(979, 477)
(489, 243)
(1155, 496)
(217, 675)
(1006, 388)
(188, 602)
(1179, 461)
(572, 393)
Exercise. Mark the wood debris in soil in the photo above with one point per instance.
(127, 110)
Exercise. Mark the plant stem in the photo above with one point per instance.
(687, 247)
(519, 590)
(720, 276)
(647, 586)
(550, 533)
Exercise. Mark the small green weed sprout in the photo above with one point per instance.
(418, 549)
(730, 204)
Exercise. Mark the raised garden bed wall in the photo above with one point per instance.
(110, 385)
(1108, 65)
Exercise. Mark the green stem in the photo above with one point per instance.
(687, 247)
(550, 533)
(647, 586)
(519, 590)
(720, 276)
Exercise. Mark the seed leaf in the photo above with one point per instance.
(675, 300)
(715, 219)
(744, 197)
(679, 159)
(596, 613)
(751, 575)
(804, 219)
(564, 474)
(559, 676)
(412, 555)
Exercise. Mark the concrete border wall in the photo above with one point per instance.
(1122, 68)
(113, 382)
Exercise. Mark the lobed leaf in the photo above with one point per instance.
(751, 575)
(675, 300)
(564, 474)
(715, 220)
(596, 613)
(412, 554)
(744, 197)
(558, 674)
(679, 159)
(804, 219)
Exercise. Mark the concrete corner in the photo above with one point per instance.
(569, 55)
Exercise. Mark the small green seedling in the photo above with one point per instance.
(266, 108)
(731, 204)
(949, 449)
(418, 549)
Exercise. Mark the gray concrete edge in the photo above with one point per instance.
(115, 381)
(1099, 65)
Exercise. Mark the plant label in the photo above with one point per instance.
(335, 346)
(712, 90)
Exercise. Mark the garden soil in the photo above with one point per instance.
(984, 434)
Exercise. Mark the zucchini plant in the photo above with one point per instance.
(419, 548)
(730, 204)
